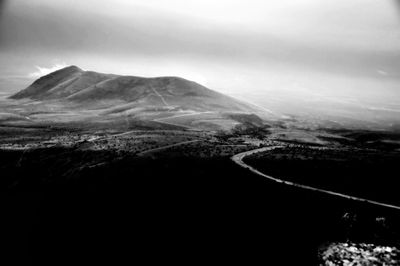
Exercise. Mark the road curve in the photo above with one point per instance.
(238, 159)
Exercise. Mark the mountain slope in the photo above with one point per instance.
(72, 84)
(41, 86)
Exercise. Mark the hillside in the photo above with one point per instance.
(72, 94)
(72, 84)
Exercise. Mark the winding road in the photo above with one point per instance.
(238, 159)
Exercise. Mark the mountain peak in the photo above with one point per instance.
(45, 83)
(68, 69)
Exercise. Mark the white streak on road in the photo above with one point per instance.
(190, 114)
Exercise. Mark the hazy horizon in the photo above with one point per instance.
(263, 51)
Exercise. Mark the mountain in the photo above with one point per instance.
(74, 95)
(72, 84)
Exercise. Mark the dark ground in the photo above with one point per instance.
(175, 210)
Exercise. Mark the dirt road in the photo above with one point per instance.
(238, 159)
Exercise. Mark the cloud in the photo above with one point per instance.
(336, 38)
(42, 71)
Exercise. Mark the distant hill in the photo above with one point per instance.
(72, 95)
(72, 84)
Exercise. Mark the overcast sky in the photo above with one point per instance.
(228, 45)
